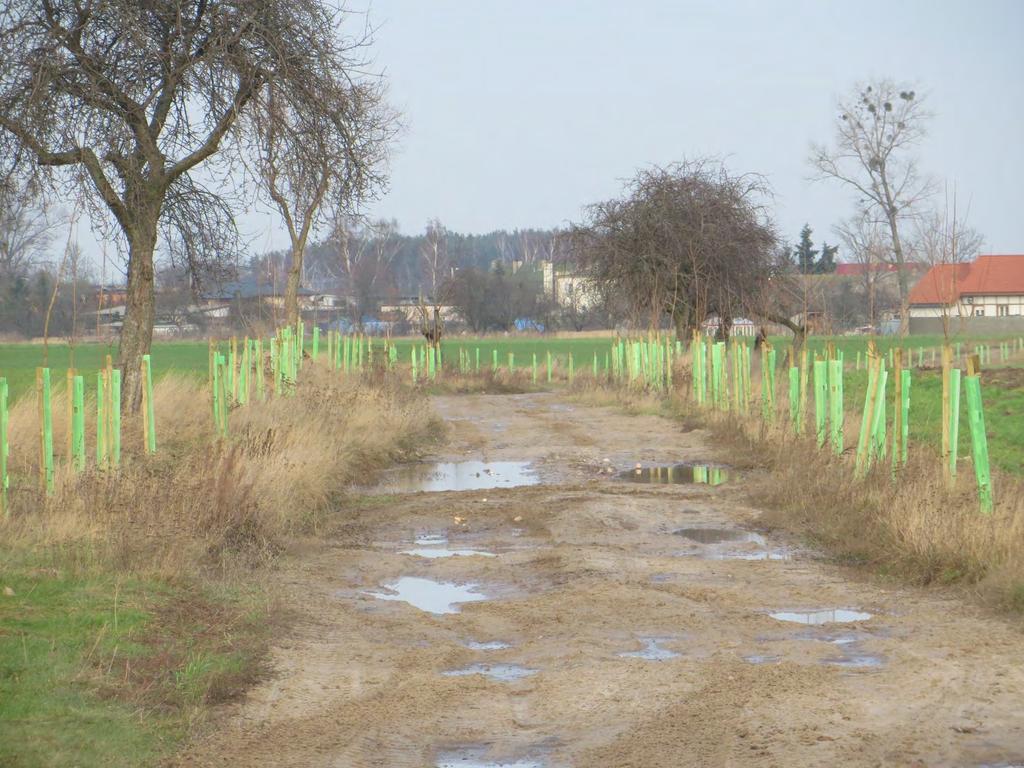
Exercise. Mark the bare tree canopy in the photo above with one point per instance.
(326, 138)
(866, 241)
(945, 237)
(685, 241)
(434, 252)
(26, 228)
(877, 130)
(129, 98)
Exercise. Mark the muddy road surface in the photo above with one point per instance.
(573, 616)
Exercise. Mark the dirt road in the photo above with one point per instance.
(620, 624)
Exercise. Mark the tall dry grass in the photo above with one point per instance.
(914, 523)
(202, 500)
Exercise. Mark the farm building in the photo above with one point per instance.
(983, 296)
(568, 288)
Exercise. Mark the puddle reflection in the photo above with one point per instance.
(504, 673)
(429, 595)
(651, 651)
(435, 552)
(458, 476)
(474, 758)
(720, 535)
(490, 645)
(677, 474)
(835, 615)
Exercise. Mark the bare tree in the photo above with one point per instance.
(27, 228)
(121, 101)
(944, 241)
(865, 240)
(877, 130)
(434, 255)
(306, 154)
(684, 241)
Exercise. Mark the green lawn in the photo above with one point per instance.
(1004, 414)
(89, 673)
(18, 362)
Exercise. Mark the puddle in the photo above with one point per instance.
(458, 476)
(477, 757)
(434, 552)
(677, 474)
(764, 554)
(720, 535)
(434, 545)
(429, 595)
(431, 540)
(762, 659)
(503, 673)
(651, 651)
(855, 661)
(851, 655)
(491, 645)
(834, 616)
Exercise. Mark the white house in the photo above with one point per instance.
(569, 288)
(988, 292)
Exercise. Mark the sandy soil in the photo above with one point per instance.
(589, 567)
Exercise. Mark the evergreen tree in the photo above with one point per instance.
(827, 263)
(805, 252)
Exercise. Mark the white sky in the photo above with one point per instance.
(520, 113)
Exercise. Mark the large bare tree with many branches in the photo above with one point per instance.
(306, 156)
(686, 241)
(121, 102)
(877, 130)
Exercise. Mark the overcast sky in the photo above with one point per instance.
(520, 113)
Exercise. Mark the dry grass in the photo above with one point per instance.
(204, 500)
(487, 382)
(916, 526)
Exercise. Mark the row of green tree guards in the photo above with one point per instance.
(236, 371)
(108, 423)
(721, 380)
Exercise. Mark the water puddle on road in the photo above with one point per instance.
(855, 661)
(850, 653)
(720, 535)
(429, 595)
(503, 673)
(652, 650)
(458, 476)
(761, 554)
(490, 645)
(759, 659)
(830, 616)
(435, 545)
(477, 757)
(435, 552)
(677, 474)
(431, 540)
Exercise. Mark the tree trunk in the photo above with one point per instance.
(901, 272)
(291, 293)
(681, 319)
(140, 303)
(799, 331)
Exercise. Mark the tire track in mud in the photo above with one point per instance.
(587, 569)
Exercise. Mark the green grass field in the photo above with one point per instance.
(18, 362)
(1004, 398)
(98, 669)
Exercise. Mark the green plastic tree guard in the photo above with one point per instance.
(979, 442)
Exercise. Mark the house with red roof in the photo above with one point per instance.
(985, 295)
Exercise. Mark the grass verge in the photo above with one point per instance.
(131, 602)
(916, 527)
